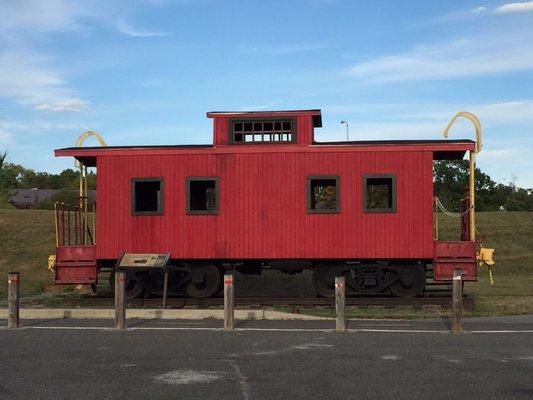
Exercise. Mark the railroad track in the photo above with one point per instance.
(444, 301)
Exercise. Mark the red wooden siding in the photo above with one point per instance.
(263, 205)
(220, 131)
(304, 129)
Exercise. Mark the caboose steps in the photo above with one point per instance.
(450, 255)
(75, 265)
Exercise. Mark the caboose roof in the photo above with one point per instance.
(442, 149)
(315, 113)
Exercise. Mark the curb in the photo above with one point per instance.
(109, 313)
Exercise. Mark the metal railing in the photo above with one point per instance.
(74, 225)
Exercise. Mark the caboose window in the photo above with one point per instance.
(379, 193)
(202, 195)
(262, 131)
(323, 194)
(146, 196)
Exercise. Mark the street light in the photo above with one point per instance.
(347, 130)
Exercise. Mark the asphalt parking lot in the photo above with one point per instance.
(162, 359)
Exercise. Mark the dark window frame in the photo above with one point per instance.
(188, 181)
(231, 133)
(392, 209)
(161, 202)
(337, 209)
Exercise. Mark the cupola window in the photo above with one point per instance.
(262, 131)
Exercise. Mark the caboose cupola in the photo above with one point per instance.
(264, 127)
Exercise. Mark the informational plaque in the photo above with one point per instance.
(141, 261)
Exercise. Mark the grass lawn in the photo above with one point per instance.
(27, 238)
(511, 234)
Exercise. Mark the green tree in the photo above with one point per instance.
(451, 185)
(15, 176)
(8, 179)
(67, 196)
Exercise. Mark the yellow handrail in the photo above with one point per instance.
(474, 120)
(83, 177)
(88, 134)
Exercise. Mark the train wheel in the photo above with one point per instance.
(133, 287)
(324, 278)
(221, 284)
(205, 281)
(410, 283)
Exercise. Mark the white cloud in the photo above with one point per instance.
(496, 156)
(514, 8)
(127, 29)
(5, 137)
(462, 14)
(38, 125)
(507, 112)
(478, 10)
(64, 105)
(26, 75)
(429, 119)
(43, 16)
(31, 79)
(271, 105)
(483, 56)
(516, 111)
(283, 49)
(158, 3)
(394, 130)
(500, 157)
(319, 3)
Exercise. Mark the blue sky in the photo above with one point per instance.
(145, 72)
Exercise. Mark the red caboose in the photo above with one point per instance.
(267, 195)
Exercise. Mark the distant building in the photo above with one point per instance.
(31, 198)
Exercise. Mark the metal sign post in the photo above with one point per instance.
(136, 261)
(13, 299)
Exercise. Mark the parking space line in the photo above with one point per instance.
(384, 324)
(503, 331)
(399, 330)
